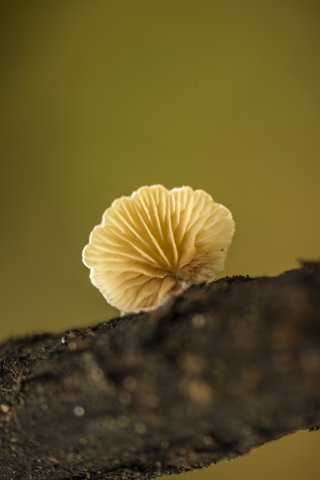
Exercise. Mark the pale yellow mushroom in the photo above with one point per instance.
(157, 243)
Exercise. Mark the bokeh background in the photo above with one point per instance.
(100, 97)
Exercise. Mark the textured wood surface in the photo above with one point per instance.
(206, 377)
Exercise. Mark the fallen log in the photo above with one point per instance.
(206, 377)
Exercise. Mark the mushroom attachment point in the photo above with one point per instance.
(156, 243)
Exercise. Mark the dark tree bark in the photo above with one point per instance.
(206, 377)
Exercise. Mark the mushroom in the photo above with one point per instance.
(155, 244)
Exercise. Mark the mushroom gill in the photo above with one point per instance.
(156, 243)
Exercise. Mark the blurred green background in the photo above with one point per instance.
(101, 97)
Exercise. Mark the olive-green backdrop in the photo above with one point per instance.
(100, 97)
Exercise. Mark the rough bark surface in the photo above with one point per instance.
(206, 377)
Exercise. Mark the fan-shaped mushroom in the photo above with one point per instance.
(156, 243)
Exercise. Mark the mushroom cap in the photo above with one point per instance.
(156, 243)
